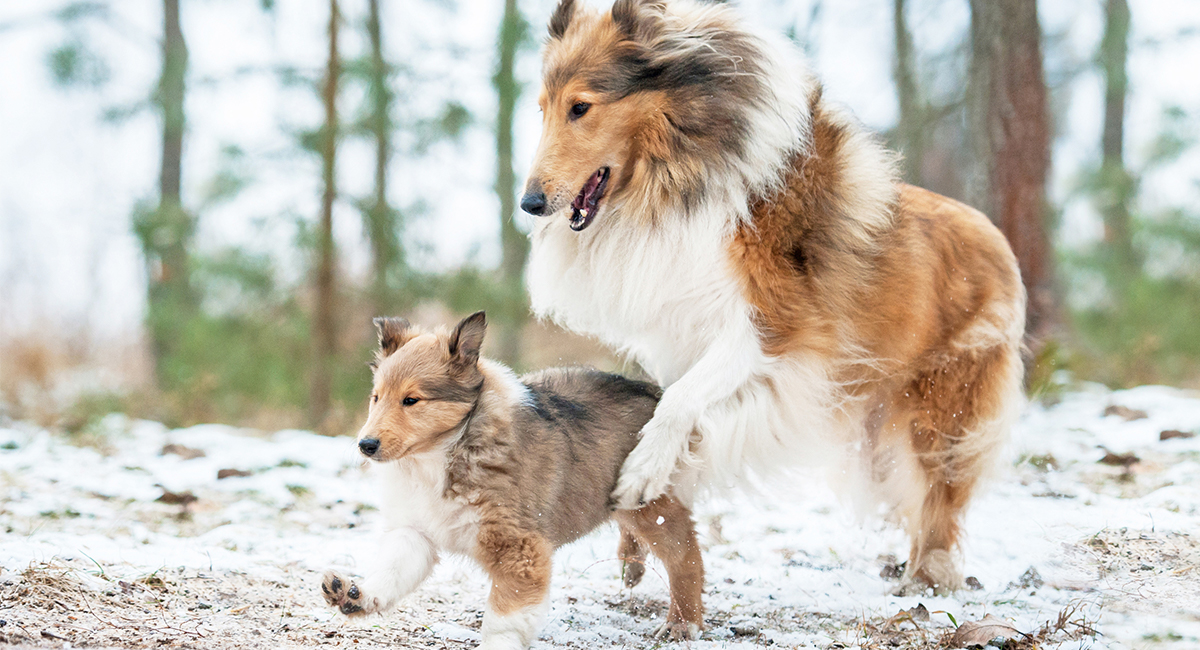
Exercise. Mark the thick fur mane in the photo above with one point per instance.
(745, 144)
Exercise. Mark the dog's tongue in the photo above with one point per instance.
(584, 205)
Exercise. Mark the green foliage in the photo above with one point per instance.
(73, 64)
(1145, 327)
(1138, 321)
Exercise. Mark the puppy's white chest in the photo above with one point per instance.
(412, 495)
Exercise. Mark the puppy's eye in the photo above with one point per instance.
(578, 110)
(374, 398)
(409, 401)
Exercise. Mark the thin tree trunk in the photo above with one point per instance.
(1010, 115)
(514, 244)
(910, 131)
(387, 255)
(166, 233)
(1116, 184)
(324, 335)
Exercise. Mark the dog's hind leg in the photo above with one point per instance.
(958, 415)
(665, 526)
(633, 558)
(518, 563)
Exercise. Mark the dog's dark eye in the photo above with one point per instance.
(579, 109)
(374, 398)
(409, 401)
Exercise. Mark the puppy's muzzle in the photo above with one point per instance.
(368, 446)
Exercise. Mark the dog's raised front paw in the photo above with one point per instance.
(677, 631)
(342, 593)
(646, 473)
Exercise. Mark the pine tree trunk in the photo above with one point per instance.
(514, 244)
(324, 334)
(387, 255)
(1011, 131)
(910, 131)
(166, 233)
(1116, 184)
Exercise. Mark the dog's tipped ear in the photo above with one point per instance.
(467, 338)
(640, 20)
(561, 19)
(394, 332)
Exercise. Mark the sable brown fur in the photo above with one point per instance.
(533, 461)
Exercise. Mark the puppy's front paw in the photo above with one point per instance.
(343, 594)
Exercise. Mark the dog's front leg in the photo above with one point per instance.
(732, 359)
(519, 564)
(406, 557)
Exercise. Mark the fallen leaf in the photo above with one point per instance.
(231, 473)
(177, 498)
(979, 633)
(1175, 433)
(1126, 413)
(1119, 460)
(186, 453)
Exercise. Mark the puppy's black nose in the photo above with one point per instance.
(368, 446)
(534, 201)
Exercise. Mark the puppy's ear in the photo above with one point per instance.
(639, 20)
(393, 333)
(562, 18)
(467, 338)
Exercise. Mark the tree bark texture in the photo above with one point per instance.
(1116, 184)
(514, 244)
(166, 233)
(1011, 132)
(910, 131)
(324, 328)
(383, 221)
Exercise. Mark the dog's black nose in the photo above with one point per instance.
(368, 446)
(534, 201)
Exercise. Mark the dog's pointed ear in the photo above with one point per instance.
(639, 20)
(394, 332)
(467, 338)
(561, 19)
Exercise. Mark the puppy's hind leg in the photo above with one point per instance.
(633, 558)
(666, 527)
(518, 563)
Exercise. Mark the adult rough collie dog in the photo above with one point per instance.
(706, 210)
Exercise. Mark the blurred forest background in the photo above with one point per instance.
(204, 202)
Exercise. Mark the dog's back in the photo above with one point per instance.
(574, 432)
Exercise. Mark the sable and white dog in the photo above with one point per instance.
(707, 211)
(504, 470)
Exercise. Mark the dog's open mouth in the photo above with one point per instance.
(583, 208)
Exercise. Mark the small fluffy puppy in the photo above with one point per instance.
(504, 470)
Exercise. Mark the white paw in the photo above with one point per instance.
(646, 474)
(677, 631)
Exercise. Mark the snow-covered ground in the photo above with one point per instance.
(95, 554)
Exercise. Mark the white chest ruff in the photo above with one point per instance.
(670, 298)
(412, 496)
(660, 296)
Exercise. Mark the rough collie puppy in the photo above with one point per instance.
(504, 470)
(706, 210)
